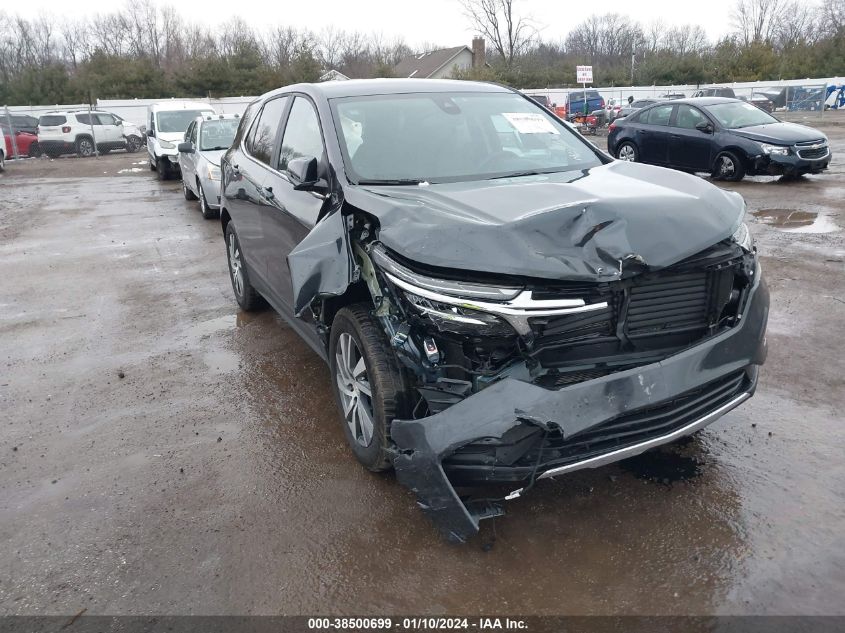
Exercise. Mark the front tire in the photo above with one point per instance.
(34, 150)
(207, 213)
(369, 387)
(728, 166)
(186, 191)
(245, 293)
(163, 169)
(2, 161)
(627, 151)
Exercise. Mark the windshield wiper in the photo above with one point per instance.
(213, 149)
(527, 172)
(396, 181)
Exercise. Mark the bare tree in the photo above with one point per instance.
(496, 20)
(757, 20)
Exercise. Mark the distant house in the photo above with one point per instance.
(333, 75)
(442, 63)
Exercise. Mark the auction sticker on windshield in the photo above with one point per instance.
(530, 123)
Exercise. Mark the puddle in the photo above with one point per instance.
(786, 218)
(796, 221)
(662, 467)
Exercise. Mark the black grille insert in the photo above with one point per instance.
(819, 152)
(668, 303)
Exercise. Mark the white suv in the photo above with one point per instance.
(80, 131)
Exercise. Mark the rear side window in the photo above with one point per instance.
(659, 115)
(302, 133)
(259, 143)
(85, 119)
(52, 119)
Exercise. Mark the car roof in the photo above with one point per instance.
(218, 117)
(181, 105)
(364, 87)
(75, 111)
(706, 101)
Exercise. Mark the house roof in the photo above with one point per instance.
(333, 75)
(424, 65)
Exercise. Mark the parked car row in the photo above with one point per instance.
(496, 299)
(729, 138)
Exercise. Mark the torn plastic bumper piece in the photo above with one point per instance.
(423, 444)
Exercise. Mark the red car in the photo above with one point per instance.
(27, 143)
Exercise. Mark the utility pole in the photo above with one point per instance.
(633, 58)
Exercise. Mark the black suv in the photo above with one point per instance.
(497, 300)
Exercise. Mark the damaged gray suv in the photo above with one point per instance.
(497, 300)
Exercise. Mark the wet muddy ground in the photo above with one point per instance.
(162, 452)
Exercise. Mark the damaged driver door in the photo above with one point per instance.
(289, 214)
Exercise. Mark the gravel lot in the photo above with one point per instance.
(162, 452)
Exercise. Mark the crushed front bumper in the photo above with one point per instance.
(791, 165)
(511, 406)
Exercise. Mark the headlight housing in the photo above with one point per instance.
(774, 150)
(457, 319)
(167, 145)
(213, 172)
(742, 236)
(479, 308)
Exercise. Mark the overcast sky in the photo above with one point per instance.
(424, 21)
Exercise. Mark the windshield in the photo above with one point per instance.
(178, 120)
(736, 114)
(451, 137)
(218, 133)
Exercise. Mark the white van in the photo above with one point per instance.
(167, 122)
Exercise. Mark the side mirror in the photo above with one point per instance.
(186, 148)
(704, 126)
(303, 172)
(151, 133)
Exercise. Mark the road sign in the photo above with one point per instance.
(584, 74)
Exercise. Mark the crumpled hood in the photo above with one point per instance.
(779, 133)
(584, 225)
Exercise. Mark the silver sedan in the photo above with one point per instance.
(206, 140)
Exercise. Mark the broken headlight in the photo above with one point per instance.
(421, 292)
(458, 320)
(742, 236)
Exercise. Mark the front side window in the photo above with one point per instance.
(178, 120)
(259, 143)
(737, 114)
(217, 134)
(688, 117)
(106, 119)
(302, 133)
(452, 137)
(659, 115)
